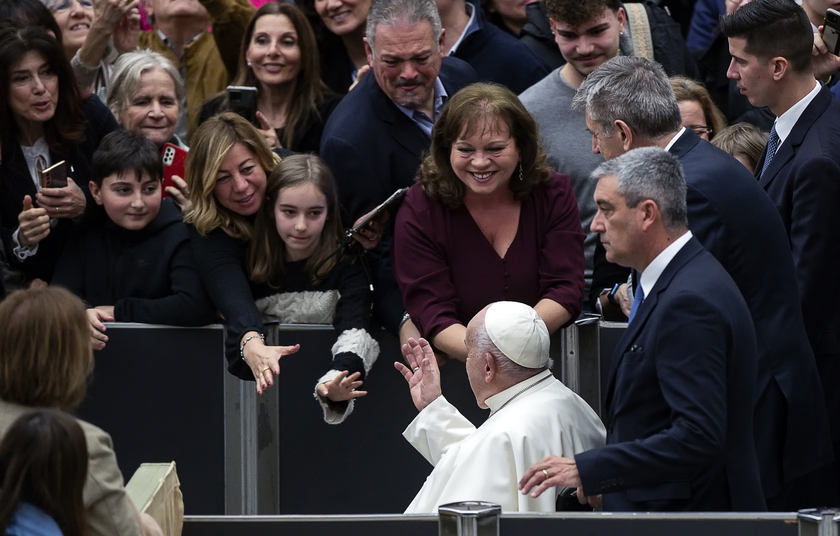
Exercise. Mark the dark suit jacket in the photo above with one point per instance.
(803, 181)
(737, 223)
(679, 399)
(499, 57)
(373, 149)
(16, 182)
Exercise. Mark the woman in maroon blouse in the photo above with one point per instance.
(488, 220)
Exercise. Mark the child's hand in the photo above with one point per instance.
(96, 317)
(342, 387)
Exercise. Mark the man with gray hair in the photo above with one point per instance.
(629, 103)
(679, 399)
(532, 414)
(375, 139)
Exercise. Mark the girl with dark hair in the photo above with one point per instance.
(45, 121)
(297, 278)
(43, 469)
(279, 57)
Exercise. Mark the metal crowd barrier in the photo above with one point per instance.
(163, 394)
(712, 524)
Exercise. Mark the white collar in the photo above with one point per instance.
(472, 26)
(501, 398)
(674, 139)
(651, 274)
(786, 121)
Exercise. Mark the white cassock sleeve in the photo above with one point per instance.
(473, 465)
(436, 428)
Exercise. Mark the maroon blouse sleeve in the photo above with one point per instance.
(561, 264)
(421, 264)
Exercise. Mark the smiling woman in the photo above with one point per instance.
(145, 95)
(45, 123)
(487, 221)
(226, 177)
(279, 58)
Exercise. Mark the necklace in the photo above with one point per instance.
(511, 399)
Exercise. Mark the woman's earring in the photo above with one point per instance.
(520, 172)
(249, 63)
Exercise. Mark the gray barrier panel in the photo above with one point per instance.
(510, 525)
(157, 391)
(163, 394)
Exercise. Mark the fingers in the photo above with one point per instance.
(27, 203)
(264, 124)
(288, 350)
(405, 371)
(524, 486)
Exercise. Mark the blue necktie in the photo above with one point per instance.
(638, 298)
(772, 145)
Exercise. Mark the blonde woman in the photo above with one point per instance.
(226, 180)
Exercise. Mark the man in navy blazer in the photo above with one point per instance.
(770, 42)
(735, 221)
(681, 386)
(375, 139)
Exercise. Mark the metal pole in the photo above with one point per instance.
(469, 518)
(819, 522)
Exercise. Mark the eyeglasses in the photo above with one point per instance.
(701, 129)
(59, 6)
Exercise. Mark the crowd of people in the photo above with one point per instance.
(717, 243)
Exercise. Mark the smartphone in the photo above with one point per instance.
(54, 176)
(243, 100)
(388, 204)
(831, 31)
(174, 163)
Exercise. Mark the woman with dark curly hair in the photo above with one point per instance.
(487, 221)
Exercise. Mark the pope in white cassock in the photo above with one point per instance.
(532, 414)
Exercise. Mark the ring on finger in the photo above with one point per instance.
(416, 369)
(545, 473)
(265, 369)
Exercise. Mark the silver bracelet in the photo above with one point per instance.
(82, 66)
(248, 338)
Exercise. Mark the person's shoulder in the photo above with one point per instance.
(29, 520)
(544, 92)
(456, 74)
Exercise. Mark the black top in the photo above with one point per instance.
(308, 136)
(221, 262)
(16, 182)
(147, 275)
(352, 311)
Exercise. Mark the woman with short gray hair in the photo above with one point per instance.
(145, 96)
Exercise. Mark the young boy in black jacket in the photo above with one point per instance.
(131, 259)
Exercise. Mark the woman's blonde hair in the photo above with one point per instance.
(209, 146)
(45, 350)
(477, 106)
(686, 89)
(268, 249)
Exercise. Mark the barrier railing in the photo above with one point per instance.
(163, 394)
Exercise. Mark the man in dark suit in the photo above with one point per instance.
(496, 56)
(770, 42)
(629, 103)
(681, 387)
(375, 139)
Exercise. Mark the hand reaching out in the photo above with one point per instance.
(424, 376)
(342, 387)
